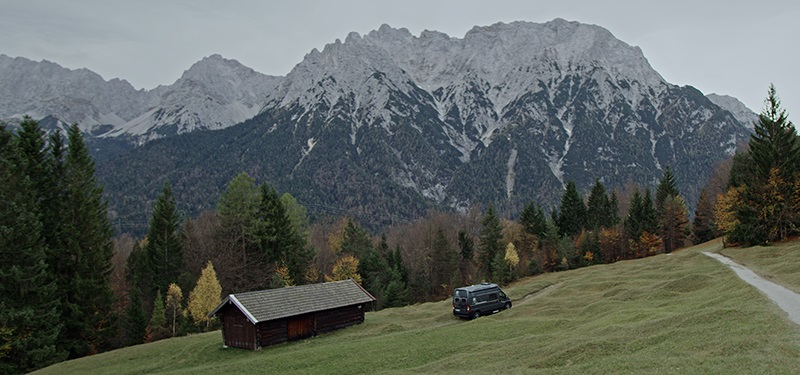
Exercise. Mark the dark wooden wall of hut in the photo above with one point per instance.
(329, 320)
(307, 325)
(237, 331)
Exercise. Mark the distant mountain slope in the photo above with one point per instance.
(384, 125)
(214, 93)
(735, 107)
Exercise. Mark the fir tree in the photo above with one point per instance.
(157, 328)
(649, 214)
(135, 319)
(500, 271)
(612, 211)
(86, 255)
(597, 215)
(641, 215)
(533, 220)
(774, 142)
(490, 241)
(673, 223)
(164, 245)
(396, 292)
(237, 211)
(28, 310)
(279, 240)
(704, 228)
(572, 214)
(444, 260)
(667, 187)
(466, 245)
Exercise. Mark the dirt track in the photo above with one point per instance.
(786, 299)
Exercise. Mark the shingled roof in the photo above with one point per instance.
(271, 304)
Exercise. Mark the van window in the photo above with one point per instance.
(493, 297)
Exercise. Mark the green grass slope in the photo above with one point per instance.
(779, 263)
(668, 314)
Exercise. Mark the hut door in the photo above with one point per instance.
(299, 327)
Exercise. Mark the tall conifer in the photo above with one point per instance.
(572, 214)
(28, 308)
(86, 256)
(490, 235)
(164, 246)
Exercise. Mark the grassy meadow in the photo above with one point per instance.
(779, 263)
(669, 314)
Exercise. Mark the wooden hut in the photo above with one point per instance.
(254, 320)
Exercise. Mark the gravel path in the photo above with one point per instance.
(786, 299)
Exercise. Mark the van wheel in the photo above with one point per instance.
(476, 315)
(508, 305)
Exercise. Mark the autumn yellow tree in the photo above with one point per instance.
(725, 210)
(511, 258)
(345, 268)
(173, 304)
(281, 278)
(205, 296)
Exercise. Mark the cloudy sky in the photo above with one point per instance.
(729, 47)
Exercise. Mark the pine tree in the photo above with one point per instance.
(500, 271)
(85, 256)
(649, 214)
(396, 292)
(612, 211)
(157, 329)
(704, 228)
(666, 188)
(28, 306)
(164, 244)
(673, 223)
(533, 220)
(444, 259)
(278, 237)
(205, 296)
(641, 216)
(774, 143)
(237, 211)
(135, 319)
(572, 214)
(490, 236)
(597, 215)
(762, 182)
(466, 245)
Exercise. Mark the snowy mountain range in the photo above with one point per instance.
(213, 93)
(388, 124)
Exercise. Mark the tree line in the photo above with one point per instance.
(68, 289)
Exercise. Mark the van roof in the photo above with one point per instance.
(477, 287)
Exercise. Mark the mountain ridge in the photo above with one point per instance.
(388, 124)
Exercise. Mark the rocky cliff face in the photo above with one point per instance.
(385, 125)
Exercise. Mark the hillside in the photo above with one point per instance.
(680, 313)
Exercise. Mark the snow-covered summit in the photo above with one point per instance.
(739, 110)
(212, 94)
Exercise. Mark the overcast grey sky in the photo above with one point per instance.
(731, 47)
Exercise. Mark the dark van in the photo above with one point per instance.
(472, 301)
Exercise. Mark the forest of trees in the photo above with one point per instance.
(69, 288)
